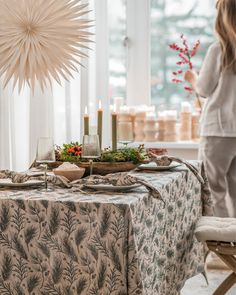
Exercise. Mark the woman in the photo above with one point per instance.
(217, 83)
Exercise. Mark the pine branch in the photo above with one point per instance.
(5, 217)
(67, 290)
(32, 283)
(51, 242)
(80, 235)
(71, 272)
(112, 281)
(52, 290)
(4, 241)
(30, 234)
(84, 210)
(81, 286)
(57, 270)
(105, 223)
(36, 258)
(20, 204)
(44, 248)
(71, 206)
(18, 219)
(87, 263)
(94, 291)
(44, 203)
(5, 288)
(36, 212)
(20, 269)
(102, 275)
(18, 289)
(132, 264)
(97, 205)
(18, 247)
(69, 222)
(118, 228)
(115, 257)
(6, 266)
(69, 250)
(100, 245)
(92, 248)
(54, 220)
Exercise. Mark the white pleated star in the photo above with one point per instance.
(41, 40)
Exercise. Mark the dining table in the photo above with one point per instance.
(72, 242)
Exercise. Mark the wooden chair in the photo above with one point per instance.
(220, 237)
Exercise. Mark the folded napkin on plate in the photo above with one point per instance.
(200, 175)
(17, 177)
(14, 176)
(118, 179)
(166, 161)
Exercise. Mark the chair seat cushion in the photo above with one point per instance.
(216, 229)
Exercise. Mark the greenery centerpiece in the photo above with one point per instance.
(123, 159)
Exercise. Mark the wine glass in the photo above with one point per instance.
(45, 155)
(91, 149)
(125, 133)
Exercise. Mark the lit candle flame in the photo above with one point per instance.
(86, 110)
(111, 107)
(100, 105)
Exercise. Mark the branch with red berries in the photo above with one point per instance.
(186, 54)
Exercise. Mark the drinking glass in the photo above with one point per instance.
(125, 133)
(91, 149)
(45, 155)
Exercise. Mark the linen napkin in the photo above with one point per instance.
(199, 174)
(17, 177)
(117, 179)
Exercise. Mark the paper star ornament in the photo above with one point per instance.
(41, 40)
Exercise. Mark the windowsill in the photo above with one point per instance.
(184, 145)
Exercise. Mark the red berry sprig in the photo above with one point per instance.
(185, 54)
(74, 150)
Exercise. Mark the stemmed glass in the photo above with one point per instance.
(45, 155)
(125, 133)
(91, 149)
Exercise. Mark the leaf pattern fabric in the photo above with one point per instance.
(69, 243)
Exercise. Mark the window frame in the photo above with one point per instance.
(138, 52)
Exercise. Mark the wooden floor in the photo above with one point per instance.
(198, 286)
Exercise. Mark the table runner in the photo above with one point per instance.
(69, 243)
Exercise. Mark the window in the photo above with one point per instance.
(117, 50)
(167, 19)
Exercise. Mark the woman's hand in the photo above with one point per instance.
(191, 77)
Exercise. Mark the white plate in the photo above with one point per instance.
(112, 188)
(154, 167)
(7, 182)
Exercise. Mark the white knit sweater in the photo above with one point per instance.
(219, 114)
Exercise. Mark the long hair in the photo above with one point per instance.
(226, 30)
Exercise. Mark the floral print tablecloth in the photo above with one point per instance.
(68, 243)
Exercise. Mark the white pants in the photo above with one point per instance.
(219, 157)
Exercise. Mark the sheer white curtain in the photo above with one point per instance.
(26, 117)
(14, 128)
(23, 118)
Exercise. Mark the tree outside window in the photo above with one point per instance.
(169, 19)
